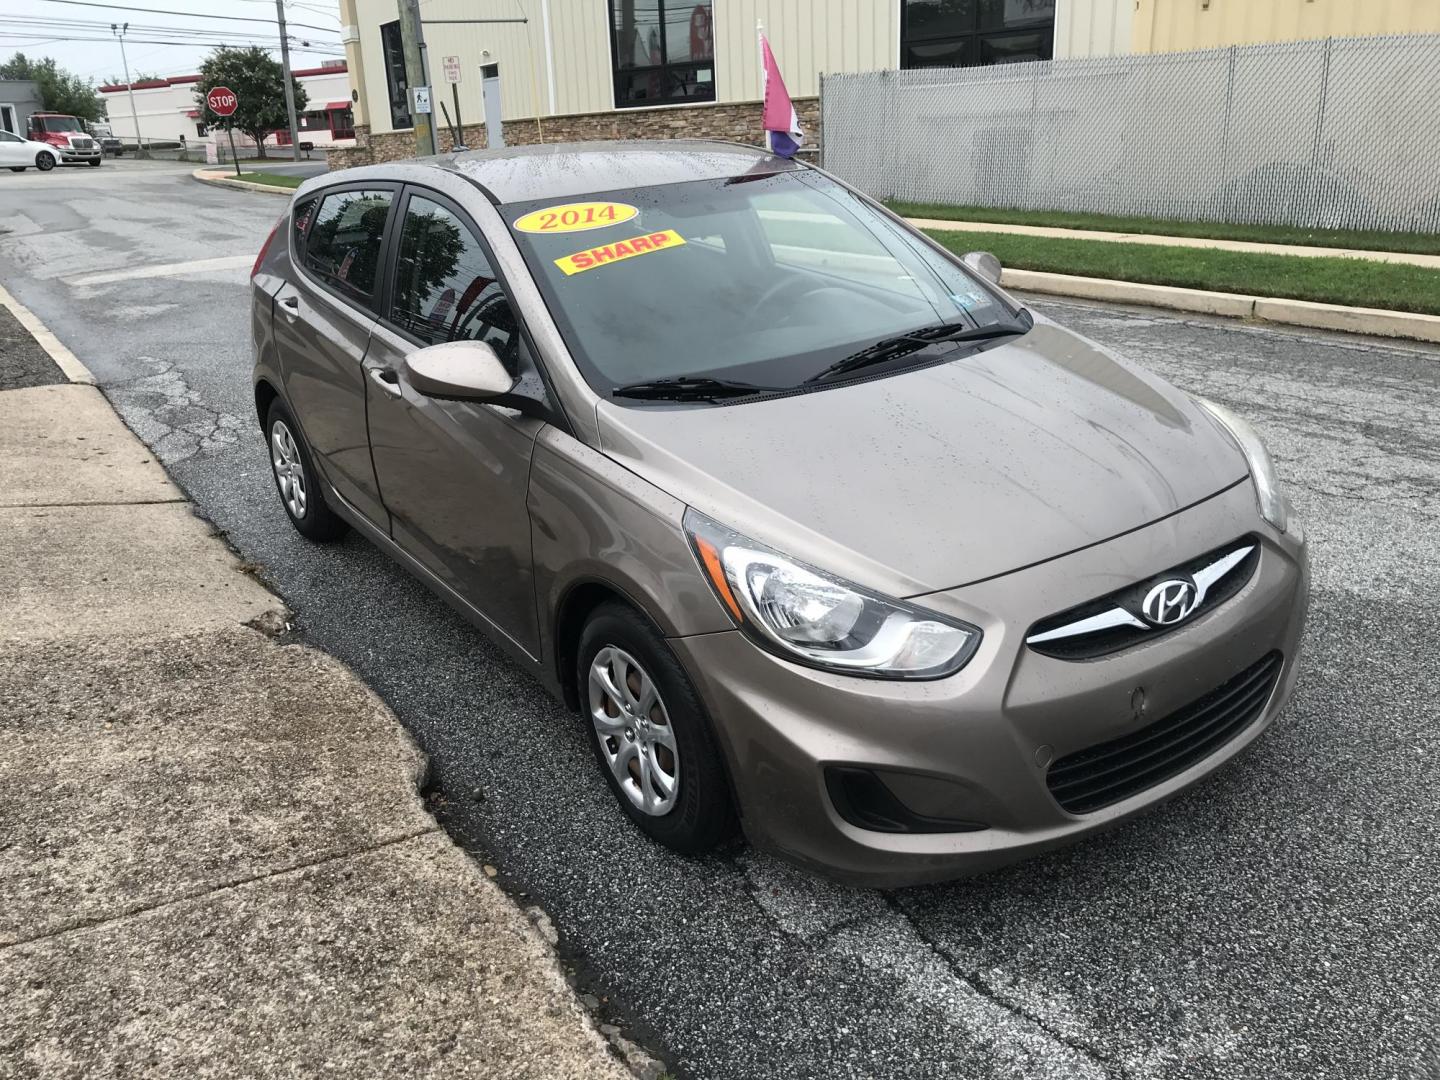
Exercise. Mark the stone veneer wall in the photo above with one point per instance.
(737, 122)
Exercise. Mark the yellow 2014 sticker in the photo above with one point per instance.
(575, 217)
(618, 251)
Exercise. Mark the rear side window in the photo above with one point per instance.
(445, 289)
(343, 245)
(300, 221)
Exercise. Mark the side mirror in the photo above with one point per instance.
(464, 370)
(984, 264)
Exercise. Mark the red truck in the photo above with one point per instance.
(67, 134)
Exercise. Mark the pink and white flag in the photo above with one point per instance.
(782, 127)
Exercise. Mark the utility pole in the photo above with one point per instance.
(119, 32)
(412, 41)
(289, 83)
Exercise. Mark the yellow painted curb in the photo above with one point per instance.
(211, 176)
(68, 363)
(1351, 320)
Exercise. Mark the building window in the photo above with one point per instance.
(664, 52)
(394, 57)
(968, 33)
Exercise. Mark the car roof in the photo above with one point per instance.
(565, 170)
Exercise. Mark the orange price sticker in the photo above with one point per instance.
(575, 217)
(619, 251)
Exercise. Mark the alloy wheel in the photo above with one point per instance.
(633, 726)
(289, 470)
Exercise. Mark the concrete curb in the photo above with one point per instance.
(210, 176)
(1249, 247)
(68, 363)
(1351, 320)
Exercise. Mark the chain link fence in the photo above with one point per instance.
(1341, 133)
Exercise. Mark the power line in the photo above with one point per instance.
(185, 14)
(39, 25)
(330, 51)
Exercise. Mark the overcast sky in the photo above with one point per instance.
(163, 44)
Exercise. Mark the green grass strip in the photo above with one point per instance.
(1353, 282)
(1414, 243)
(273, 179)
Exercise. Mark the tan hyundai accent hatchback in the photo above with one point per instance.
(822, 533)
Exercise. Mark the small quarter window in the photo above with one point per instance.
(343, 245)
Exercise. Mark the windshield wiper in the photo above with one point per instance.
(901, 344)
(691, 388)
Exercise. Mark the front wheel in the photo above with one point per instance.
(650, 734)
(296, 481)
(94, 163)
(44, 161)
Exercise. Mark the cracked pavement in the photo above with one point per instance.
(1278, 920)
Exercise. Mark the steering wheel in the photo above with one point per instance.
(786, 284)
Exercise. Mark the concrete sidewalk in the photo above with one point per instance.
(1429, 262)
(214, 858)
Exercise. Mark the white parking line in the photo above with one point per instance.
(195, 266)
(68, 363)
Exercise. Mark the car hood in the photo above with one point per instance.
(941, 476)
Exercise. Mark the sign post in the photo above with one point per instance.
(222, 102)
(452, 76)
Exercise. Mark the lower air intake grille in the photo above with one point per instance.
(1109, 772)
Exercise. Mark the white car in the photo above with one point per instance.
(18, 153)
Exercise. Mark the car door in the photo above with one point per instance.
(453, 475)
(12, 150)
(323, 317)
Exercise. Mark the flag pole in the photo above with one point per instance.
(760, 48)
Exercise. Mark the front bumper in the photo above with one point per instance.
(977, 745)
(69, 156)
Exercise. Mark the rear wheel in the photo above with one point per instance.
(44, 161)
(296, 481)
(650, 734)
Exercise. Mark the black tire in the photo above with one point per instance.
(95, 163)
(703, 815)
(18, 168)
(44, 161)
(315, 521)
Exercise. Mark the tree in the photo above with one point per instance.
(259, 83)
(60, 91)
(135, 76)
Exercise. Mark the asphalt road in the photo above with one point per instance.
(1279, 920)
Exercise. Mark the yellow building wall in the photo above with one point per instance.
(1093, 28)
(1178, 25)
(809, 37)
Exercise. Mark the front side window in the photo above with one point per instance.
(445, 289)
(664, 52)
(396, 87)
(969, 33)
(342, 247)
(768, 280)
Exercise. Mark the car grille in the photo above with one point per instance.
(1109, 772)
(83, 144)
(1113, 622)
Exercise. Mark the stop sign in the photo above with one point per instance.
(222, 101)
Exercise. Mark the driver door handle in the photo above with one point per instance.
(386, 379)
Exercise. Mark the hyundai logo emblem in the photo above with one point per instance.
(1169, 602)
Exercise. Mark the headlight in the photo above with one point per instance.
(1274, 507)
(808, 616)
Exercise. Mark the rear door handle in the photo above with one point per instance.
(291, 304)
(386, 379)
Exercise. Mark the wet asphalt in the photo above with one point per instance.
(1278, 920)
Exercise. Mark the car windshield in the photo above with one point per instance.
(61, 123)
(764, 280)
